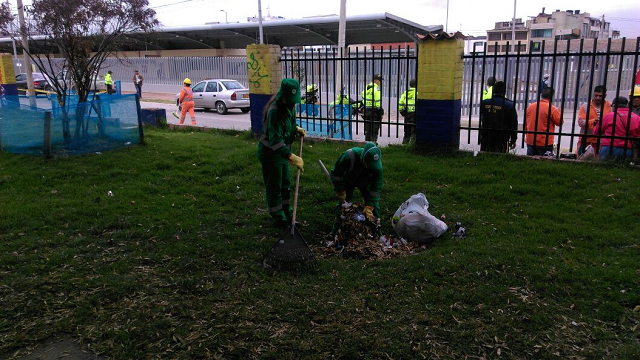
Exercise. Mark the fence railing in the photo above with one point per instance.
(574, 70)
(348, 74)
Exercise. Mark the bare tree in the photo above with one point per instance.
(84, 33)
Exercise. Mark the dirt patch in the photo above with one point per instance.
(62, 348)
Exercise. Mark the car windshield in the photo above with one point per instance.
(38, 76)
(232, 85)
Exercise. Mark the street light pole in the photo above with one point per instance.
(260, 21)
(226, 18)
(446, 26)
(513, 28)
(25, 50)
(342, 31)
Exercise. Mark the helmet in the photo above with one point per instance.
(635, 92)
(187, 81)
(312, 87)
(372, 156)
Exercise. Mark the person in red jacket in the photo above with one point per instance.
(186, 102)
(619, 124)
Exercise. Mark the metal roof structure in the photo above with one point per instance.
(361, 29)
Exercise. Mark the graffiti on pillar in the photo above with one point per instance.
(258, 71)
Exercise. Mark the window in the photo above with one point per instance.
(21, 77)
(506, 36)
(232, 85)
(212, 86)
(541, 33)
(199, 87)
(521, 35)
(494, 37)
(491, 49)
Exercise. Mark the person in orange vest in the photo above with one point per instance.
(186, 102)
(542, 119)
(598, 108)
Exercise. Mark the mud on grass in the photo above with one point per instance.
(169, 267)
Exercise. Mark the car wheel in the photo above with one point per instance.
(245, 110)
(221, 108)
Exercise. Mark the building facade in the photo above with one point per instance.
(500, 39)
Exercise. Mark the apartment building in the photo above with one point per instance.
(500, 40)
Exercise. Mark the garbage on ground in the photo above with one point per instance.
(570, 156)
(549, 154)
(460, 231)
(357, 236)
(413, 222)
(588, 154)
(110, 193)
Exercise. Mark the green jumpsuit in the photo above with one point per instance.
(350, 172)
(274, 148)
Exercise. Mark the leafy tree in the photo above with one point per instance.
(84, 33)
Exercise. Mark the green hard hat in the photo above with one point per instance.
(289, 90)
(372, 156)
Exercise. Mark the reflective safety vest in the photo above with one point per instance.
(107, 79)
(341, 100)
(487, 94)
(186, 94)
(408, 100)
(371, 95)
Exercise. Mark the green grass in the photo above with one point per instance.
(169, 267)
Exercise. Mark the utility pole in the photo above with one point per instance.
(342, 33)
(513, 28)
(260, 21)
(446, 26)
(226, 18)
(27, 60)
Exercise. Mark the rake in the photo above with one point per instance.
(291, 252)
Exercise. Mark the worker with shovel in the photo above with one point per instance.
(274, 149)
(360, 168)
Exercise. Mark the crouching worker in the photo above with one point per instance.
(360, 168)
(274, 149)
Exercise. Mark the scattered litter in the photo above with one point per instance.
(570, 156)
(359, 237)
(549, 154)
(128, 143)
(460, 231)
(110, 193)
(475, 153)
(98, 153)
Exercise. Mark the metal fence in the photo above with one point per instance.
(574, 71)
(348, 74)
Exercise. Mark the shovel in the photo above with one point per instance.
(291, 252)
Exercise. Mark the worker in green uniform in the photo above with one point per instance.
(407, 107)
(274, 149)
(360, 168)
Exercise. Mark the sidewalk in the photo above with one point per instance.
(146, 96)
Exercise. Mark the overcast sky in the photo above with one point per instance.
(473, 17)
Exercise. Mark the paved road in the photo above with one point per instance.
(234, 119)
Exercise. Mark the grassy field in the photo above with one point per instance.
(169, 266)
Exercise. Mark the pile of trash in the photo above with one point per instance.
(360, 237)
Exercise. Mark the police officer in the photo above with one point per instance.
(311, 95)
(488, 92)
(108, 81)
(274, 149)
(372, 109)
(360, 168)
(498, 121)
(407, 107)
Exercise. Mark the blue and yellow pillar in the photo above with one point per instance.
(439, 91)
(265, 75)
(8, 85)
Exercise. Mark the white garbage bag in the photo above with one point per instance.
(413, 221)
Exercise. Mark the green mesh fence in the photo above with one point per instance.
(106, 123)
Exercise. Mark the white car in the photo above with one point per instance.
(98, 82)
(220, 94)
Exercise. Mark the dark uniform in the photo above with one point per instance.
(498, 124)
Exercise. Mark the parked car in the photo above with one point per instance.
(98, 82)
(40, 82)
(220, 94)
